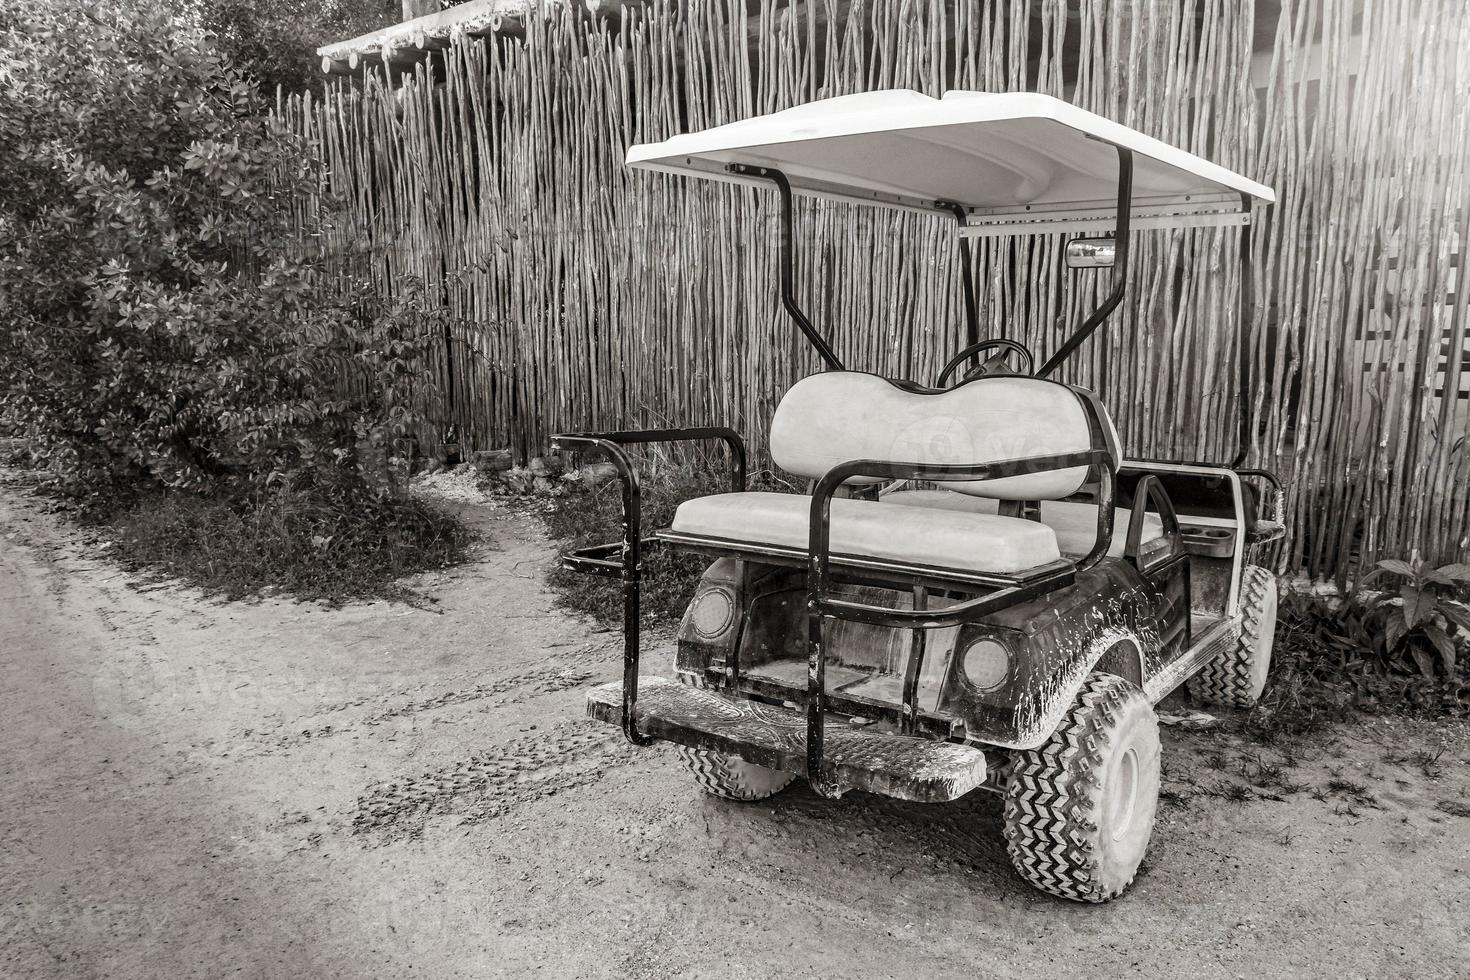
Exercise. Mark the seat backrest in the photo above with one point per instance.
(838, 416)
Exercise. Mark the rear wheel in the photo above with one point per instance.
(731, 777)
(1079, 810)
(1237, 677)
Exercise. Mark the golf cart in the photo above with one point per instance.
(980, 590)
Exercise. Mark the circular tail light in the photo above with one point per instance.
(987, 663)
(712, 613)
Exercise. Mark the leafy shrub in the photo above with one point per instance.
(276, 40)
(166, 327)
(1410, 630)
(1415, 626)
(1332, 653)
(163, 322)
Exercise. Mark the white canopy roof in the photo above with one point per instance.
(1017, 162)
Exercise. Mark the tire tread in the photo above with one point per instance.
(716, 777)
(1050, 825)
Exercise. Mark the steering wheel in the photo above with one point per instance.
(990, 364)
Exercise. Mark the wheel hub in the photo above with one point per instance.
(1124, 794)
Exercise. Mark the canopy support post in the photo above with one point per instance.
(967, 278)
(1120, 266)
(1248, 433)
(787, 259)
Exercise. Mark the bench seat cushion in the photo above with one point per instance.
(1074, 522)
(932, 536)
(840, 416)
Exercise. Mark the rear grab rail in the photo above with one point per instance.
(628, 566)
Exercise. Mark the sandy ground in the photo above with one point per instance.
(193, 788)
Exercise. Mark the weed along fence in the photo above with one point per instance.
(586, 296)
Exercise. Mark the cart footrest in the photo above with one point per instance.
(901, 766)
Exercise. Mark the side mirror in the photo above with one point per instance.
(1091, 253)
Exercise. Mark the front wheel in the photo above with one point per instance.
(1237, 676)
(731, 777)
(1079, 810)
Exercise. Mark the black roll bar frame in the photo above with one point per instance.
(1246, 316)
(1121, 236)
(967, 276)
(787, 260)
(629, 566)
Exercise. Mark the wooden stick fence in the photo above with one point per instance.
(586, 295)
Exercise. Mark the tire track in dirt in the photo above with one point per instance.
(489, 784)
(518, 687)
(513, 689)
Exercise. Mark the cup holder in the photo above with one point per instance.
(1214, 542)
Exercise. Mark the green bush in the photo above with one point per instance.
(1395, 650)
(163, 322)
(276, 40)
(167, 333)
(1414, 626)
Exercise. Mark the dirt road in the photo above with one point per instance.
(190, 788)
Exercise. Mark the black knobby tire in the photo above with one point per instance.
(726, 776)
(1079, 809)
(731, 777)
(1237, 676)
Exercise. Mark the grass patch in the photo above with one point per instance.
(1320, 677)
(14, 452)
(1320, 680)
(578, 516)
(1333, 646)
(1300, 700)
(333, 553)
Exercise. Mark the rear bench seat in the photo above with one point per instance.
(970, 542)
(837, 416)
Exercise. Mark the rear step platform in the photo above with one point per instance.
(901, 766)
